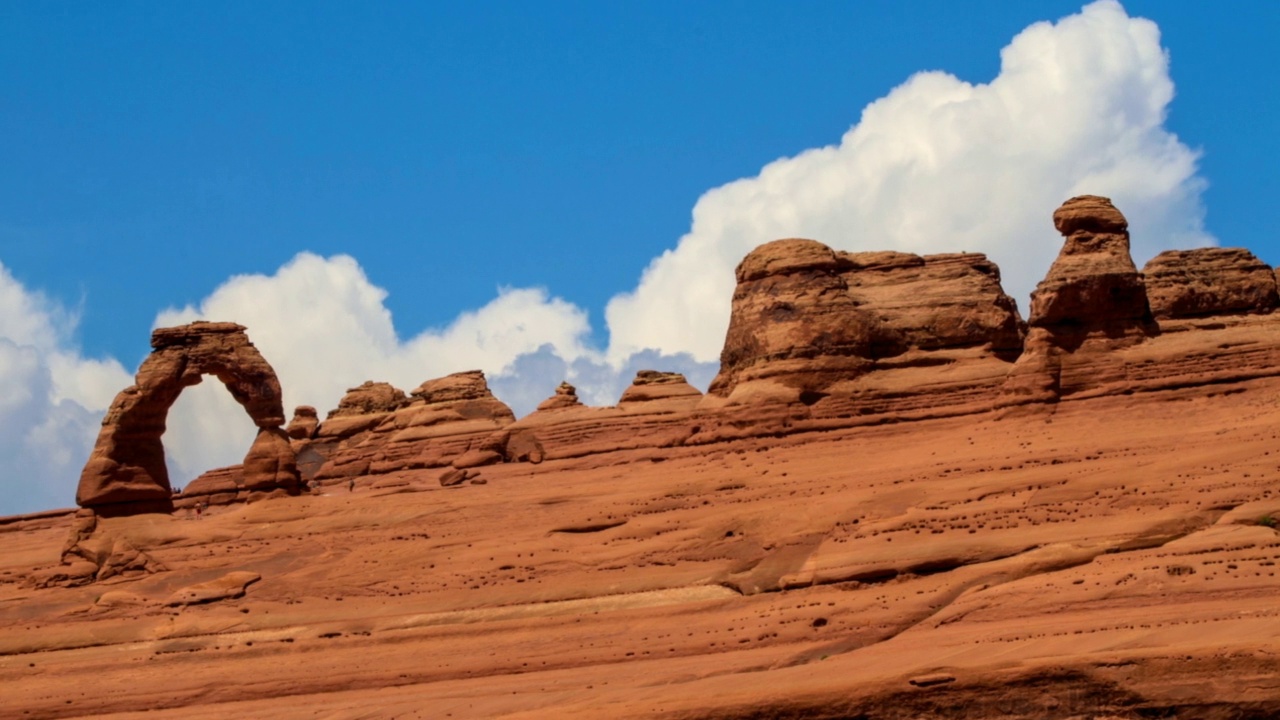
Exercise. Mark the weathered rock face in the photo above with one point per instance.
(1093, 286)
(1209, 281)
(127, 466)
(1092, 302)
(806, 317)
(464, 393)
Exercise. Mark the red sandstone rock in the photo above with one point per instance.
(806, 318)
(1092, 303)
(369, 398)
(271, 462)
(653, 385)
(127, 466)
(304, 423)
(1093, 285)
(442, 420)
(1209, 281)
(465, 393)
(229, 586)
(566, 397)
(900, 563)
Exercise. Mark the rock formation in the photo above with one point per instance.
(566, 396)
(304, 423)
(377, 429)
(921, 556)
(655, 385)
(1092, 303)
(856, 334)
(1209, 281)
(126, 469)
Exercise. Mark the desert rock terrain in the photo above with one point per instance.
(897, 500)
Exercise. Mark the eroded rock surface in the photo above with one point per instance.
(127, 468)
(304, 423)
(1092, 303)
(853, 334)
(441, 420)
(1209, 281)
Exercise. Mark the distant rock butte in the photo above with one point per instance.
(818, 339)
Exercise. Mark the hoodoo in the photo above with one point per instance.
(1092, 303)
(126, 471)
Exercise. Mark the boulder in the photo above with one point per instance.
(369, 398)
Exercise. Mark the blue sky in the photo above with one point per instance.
(150, 152)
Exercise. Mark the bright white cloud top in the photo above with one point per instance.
(937, 165)
(940, 165)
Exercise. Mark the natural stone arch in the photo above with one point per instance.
(127, 470)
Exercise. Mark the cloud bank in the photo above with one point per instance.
(51, 400)
(937, 165)
(942, 165)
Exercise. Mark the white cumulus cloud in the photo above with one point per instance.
(51, 400)
(942, 165)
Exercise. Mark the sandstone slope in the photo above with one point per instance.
(889, 505)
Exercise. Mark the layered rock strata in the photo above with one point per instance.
(1209, 281)
(1092, 303)
(377, 429)
(851, 334)
(126, 470)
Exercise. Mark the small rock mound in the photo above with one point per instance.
(650, 385)
(566, 397)
(304, 423)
